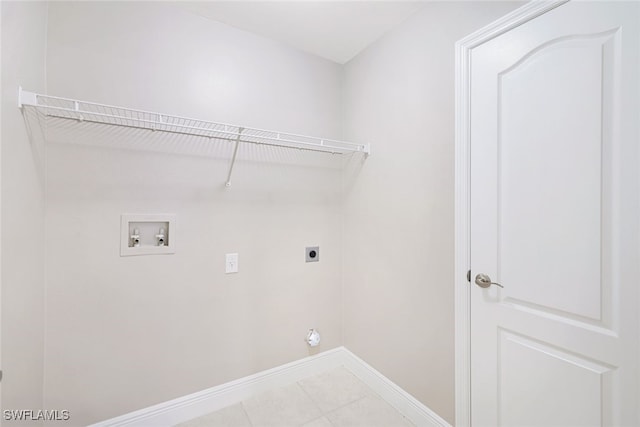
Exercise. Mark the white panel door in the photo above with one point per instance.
(554, 219)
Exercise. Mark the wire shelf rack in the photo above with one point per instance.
(92, 112)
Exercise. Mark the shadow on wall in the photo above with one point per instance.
(261, 172)
(351, 167)
(36, 131)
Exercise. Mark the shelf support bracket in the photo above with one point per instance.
(26, 98)
(233, 159)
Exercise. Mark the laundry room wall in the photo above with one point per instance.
(22, 211)
(399, 204)
(123, 333)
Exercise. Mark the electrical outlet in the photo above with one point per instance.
(312, 254)
(231, 263)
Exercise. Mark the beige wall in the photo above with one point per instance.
(124, 333)
(23, 63)
(399, 218)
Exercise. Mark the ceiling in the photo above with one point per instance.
(335, 30)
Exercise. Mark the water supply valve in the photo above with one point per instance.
(135, 238)
(160, 238)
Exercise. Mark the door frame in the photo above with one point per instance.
(462, 293)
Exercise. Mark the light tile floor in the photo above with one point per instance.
(332, 399)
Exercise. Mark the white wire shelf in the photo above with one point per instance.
(92, 112)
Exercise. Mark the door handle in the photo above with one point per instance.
(484, 281)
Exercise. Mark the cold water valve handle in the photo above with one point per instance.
(161, 237)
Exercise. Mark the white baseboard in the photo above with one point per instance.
(203, 402)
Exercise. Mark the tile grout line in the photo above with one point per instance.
(369, 393)
(312, 400)
(344, 406)
(246, 413)
(374, 393)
